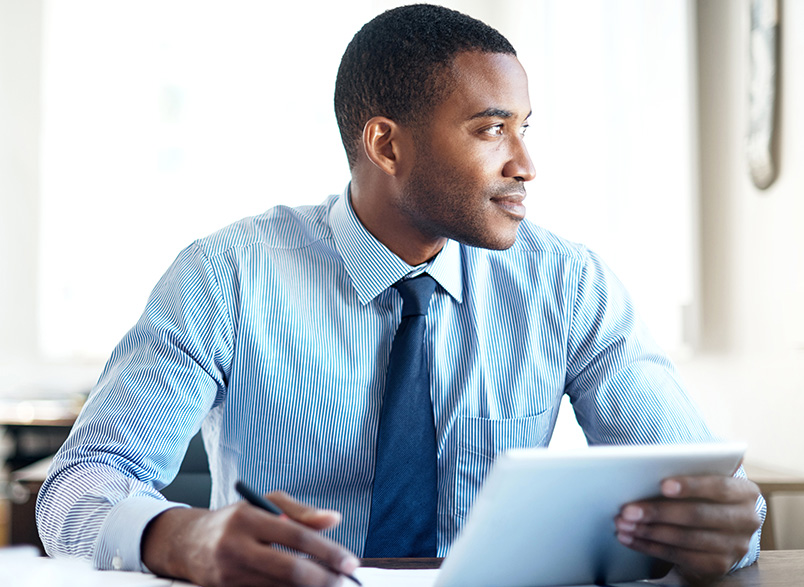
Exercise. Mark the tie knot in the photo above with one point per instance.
(416, 294)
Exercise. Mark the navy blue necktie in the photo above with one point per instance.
(403, 502)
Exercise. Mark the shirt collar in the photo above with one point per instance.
(373, 268)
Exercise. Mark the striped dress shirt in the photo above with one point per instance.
(273, 336)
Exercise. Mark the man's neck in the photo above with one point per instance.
(384, 224)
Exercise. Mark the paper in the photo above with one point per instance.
(372, 577)
(22, 567)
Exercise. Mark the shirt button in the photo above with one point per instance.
(117, 563)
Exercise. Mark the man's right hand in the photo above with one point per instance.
(234, 545)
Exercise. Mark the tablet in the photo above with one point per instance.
(546, 516)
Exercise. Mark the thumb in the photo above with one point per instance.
(318, 519)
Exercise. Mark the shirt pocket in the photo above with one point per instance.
(480, 440)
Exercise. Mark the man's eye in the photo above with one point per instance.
(495, 131)
(523, 130)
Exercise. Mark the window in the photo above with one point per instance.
(165, 120)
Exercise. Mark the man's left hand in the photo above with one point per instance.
(702, 524)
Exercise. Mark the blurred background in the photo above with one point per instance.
(128, 129)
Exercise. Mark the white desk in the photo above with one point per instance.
(780, 568)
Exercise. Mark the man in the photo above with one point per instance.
(275, 334)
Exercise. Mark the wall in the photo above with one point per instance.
(20, 77)
(749, 373)
(751, 364)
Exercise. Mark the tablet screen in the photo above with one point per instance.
(546, 516)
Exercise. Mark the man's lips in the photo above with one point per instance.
(511, 203)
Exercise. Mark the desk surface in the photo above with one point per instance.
(775, 568)
(781, 568)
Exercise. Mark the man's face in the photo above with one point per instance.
(471, 163)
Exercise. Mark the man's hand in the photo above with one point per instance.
(234, 545)
(702, 524)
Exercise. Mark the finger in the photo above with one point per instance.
(270, 529)
(694, 564)
(294, 570)
(719, 488)
(697, 539)
(320, 519)
(259, 564)
(732, 518)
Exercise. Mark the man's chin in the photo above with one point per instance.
(498, 240)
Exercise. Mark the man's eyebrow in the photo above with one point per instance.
(495, 113)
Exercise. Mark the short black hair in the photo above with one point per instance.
(393, 66)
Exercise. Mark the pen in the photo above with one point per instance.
(267, 505)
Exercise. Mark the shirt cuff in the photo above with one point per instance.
(752, 555)
(120, 537)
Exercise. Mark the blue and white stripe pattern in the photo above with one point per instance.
(274, 336)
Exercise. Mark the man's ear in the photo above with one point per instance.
(387, 145)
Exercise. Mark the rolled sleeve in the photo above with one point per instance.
(761, 508)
